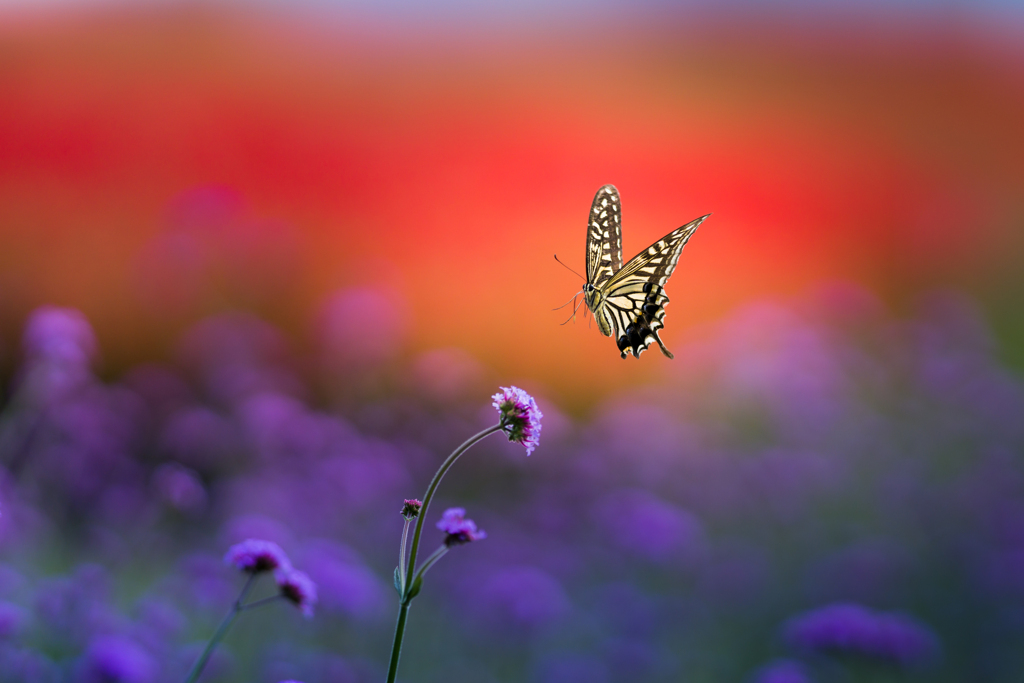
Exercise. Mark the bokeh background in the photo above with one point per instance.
(261, 267)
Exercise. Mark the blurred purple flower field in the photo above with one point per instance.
(815, 490)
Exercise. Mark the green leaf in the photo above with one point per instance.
(398, 582)
(416, 586)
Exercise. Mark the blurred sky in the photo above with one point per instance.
(161, 161)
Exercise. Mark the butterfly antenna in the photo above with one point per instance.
(573, 316)
(569, 269)
(570, 301)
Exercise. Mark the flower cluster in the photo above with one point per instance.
(651, 483)
(854, 629)
(254, 556)
(520, 416)
(458, 529)
(298, 589)
(411, 508)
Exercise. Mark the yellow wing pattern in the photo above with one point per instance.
(629, 301)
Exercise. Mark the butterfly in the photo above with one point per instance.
(628, 301)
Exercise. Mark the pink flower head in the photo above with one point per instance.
(520, 416)
(298, 589)
(459, 530)
(411, 509)
(254, 555)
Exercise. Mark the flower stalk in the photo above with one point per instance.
(429, 495)
(222, 629)
(409, 589)
(255, 557)
(401, 557)
(520, 421)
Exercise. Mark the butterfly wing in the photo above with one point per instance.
(633, 300)
(604, 236)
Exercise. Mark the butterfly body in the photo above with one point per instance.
(628, 301)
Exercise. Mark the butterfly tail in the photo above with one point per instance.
(637, 339)
(662, 345)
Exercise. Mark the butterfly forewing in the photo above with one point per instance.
(656, 262)
(604, 236)
(636, 292)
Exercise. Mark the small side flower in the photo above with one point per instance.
(459, 530)
(411, 509)
(520, 416)
(297, 588)
(255, 556)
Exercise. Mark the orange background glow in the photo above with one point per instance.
(451, 165)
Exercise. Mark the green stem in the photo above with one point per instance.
(396, 649)
(409, 569)
(200, 664)
(401, 556)
(434, 557)
(445, 466)
(261, 602)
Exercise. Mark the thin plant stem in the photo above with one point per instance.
(401, 556)
(434, 557)
(261, 602)
(445, 466)
(396, 649)
(403, 611)
(237, 607)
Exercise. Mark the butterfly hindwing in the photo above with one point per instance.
(604, 236)
(634, 312)
(631, 302)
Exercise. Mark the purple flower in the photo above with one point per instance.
(59, 347)
(254, 556)
(180, 487)
(297, 588)
(198, 437)
(411, 509)
(113, 658)
(520, 598)
(459, 530)
(782, 671)
(12, 619)
(61, 335)
(344, 583)
(520, 416)
(238, 356)
(643, 525)
(75, 608)
(854, 629)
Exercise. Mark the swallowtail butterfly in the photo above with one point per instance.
(628, 301)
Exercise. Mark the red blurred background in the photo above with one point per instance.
(158, 164)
